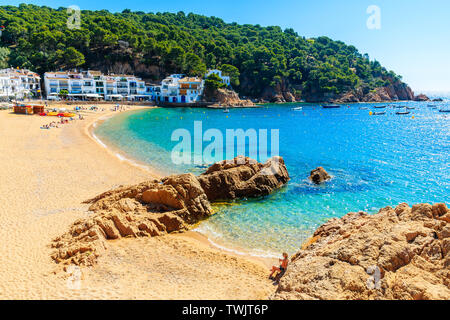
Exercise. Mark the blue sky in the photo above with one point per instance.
(414, 38)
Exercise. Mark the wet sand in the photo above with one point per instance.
(46, 174)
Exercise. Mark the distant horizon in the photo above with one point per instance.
(416, 51)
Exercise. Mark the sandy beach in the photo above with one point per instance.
(45, 177)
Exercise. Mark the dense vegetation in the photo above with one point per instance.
(154, 45)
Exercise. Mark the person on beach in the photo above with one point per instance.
(282, 268)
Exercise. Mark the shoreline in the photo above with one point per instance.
(192, 233)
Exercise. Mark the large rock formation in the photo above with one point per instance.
(319, 175)
(227, 98)
(279, 94)
(243, 177)
(401, 253)
(394, 92)
(155, 207)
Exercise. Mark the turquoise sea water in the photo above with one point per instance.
(375, 161)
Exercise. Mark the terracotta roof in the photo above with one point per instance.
(190, 79)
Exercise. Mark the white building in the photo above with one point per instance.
(178, 89)
(95, 85)
(225, 79)
(19, 84)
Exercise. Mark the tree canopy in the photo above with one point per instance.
(153, 45)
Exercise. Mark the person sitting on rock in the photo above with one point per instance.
(282, 268)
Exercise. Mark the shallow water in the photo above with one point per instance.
(375, 161)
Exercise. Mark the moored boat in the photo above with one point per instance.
(402, 112)
(379, 113)
(444, 110)
(379, 107)
(297, 109)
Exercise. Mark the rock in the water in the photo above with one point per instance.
(155, 207)
(243, 177)
(401, 253)
(319, 175)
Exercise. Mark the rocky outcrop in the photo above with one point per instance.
(278, 94)
(149, 209)
(319, 175)
(394, 92)
(421, 97)
(243, 178)
(401, 253)
(155, 207)
(228, 98)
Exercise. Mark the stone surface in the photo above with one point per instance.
(319, 175)
(154, 208)
(243, 178)
(393, 92)
(421, 97)
(227, 98)
(408, 246)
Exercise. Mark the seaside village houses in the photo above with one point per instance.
(92, 85)
(19, 84)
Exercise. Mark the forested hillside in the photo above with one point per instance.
(264, 62)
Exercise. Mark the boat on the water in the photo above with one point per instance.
(444, 110)
(379, 107)
(379, 113)
(226, 110)
(331, 106)
(297, 109)
(402, 112)
(410, 108)
(363, 108)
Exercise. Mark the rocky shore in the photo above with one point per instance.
(398, 253)
(228, 98)
(159, 207)
(394, 92)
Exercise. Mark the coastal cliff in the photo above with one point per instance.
(401, 253)
(227, 98)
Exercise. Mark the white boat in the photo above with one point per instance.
(297, 109)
